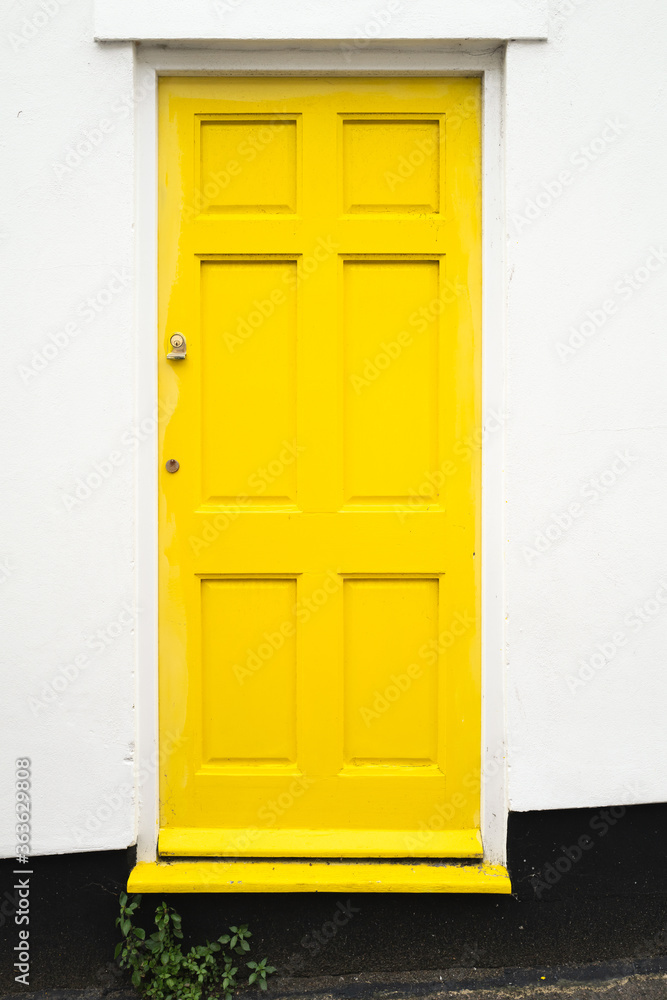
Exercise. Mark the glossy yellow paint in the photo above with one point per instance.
(299, 876)
(319, 624)
(320, 842)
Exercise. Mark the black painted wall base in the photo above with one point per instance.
(589, 885)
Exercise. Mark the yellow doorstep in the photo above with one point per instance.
(316, 876)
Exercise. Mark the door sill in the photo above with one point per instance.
(198, 842)
(316, 876)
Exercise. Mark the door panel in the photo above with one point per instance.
(391, 715)
(238, 686)
(391, 378)
(319, 248)
(248, 353)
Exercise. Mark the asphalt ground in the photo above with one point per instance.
(615, 981)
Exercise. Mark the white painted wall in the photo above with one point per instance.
(66, 237)
(603, 741)
(68, 567)
(157, 20)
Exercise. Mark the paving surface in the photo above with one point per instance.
(649, 987)
(584, 983)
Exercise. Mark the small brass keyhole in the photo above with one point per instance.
(177, 341)
(172, 465)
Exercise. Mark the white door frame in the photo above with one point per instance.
(332, 59)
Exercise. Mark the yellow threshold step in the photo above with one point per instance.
(201, 842)
(315, 876)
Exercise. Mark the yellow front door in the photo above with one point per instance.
(319, 631)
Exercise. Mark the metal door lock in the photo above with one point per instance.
(177, 341)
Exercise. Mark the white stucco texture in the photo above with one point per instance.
(586, 535)
(587, 354)
(67, 392)
(320, 19)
